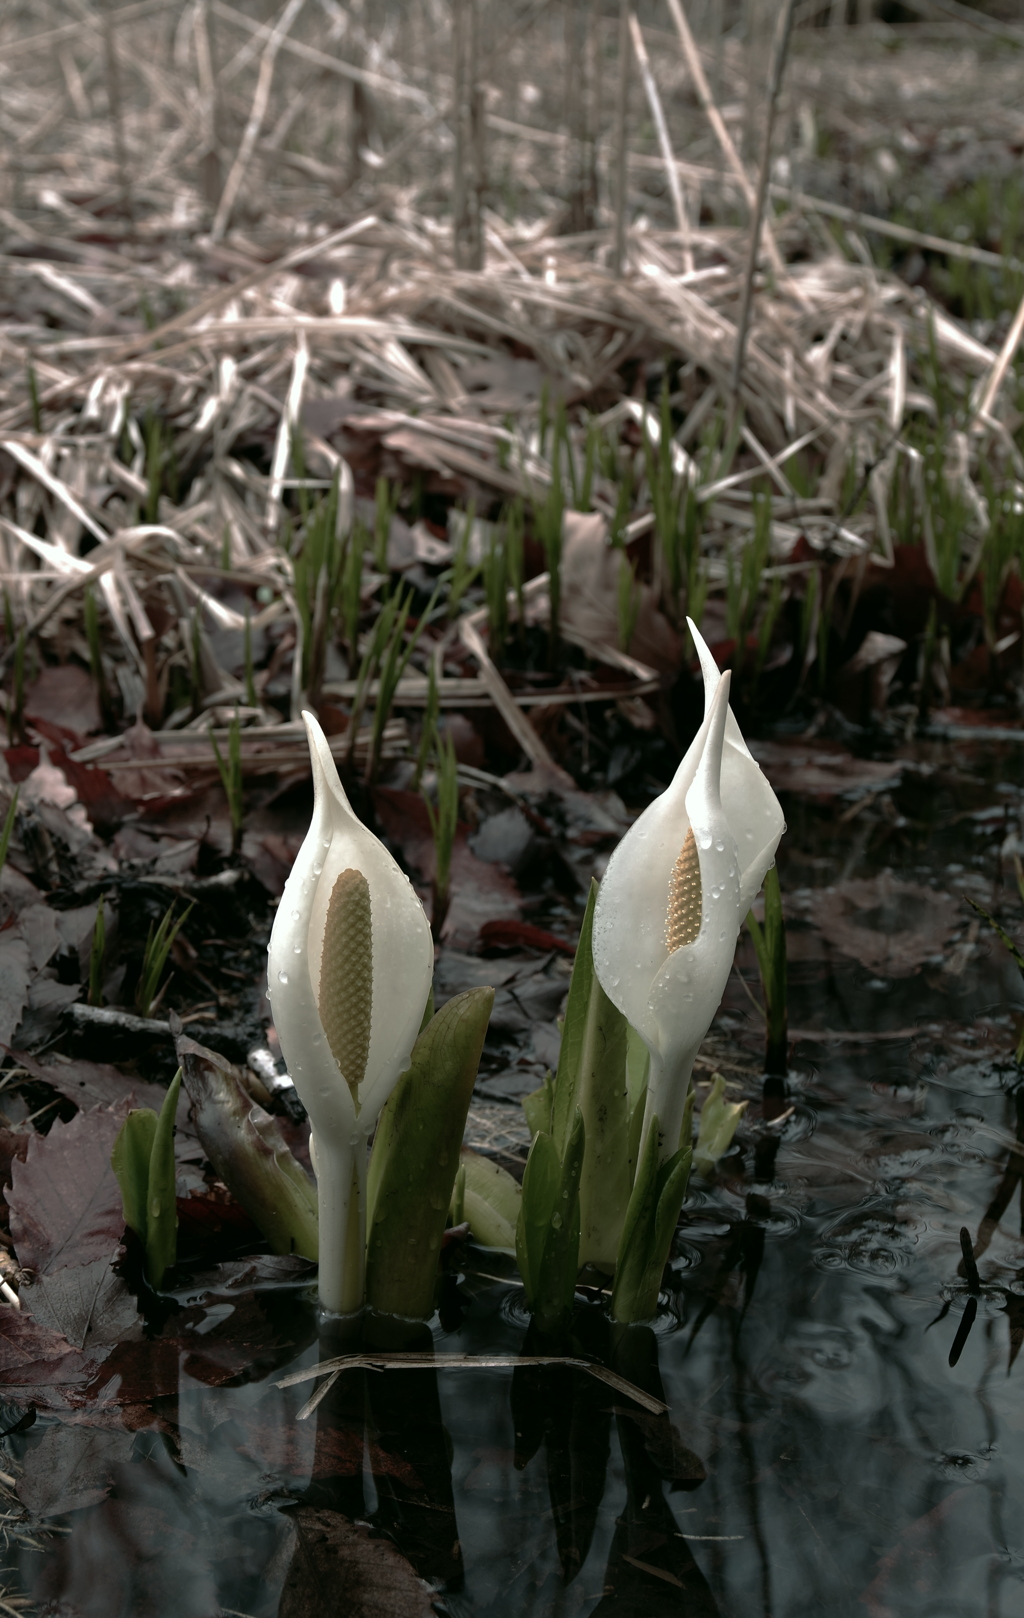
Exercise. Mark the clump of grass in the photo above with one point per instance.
(318, 575)
(230, 772)
(393, 665)
(159, 942)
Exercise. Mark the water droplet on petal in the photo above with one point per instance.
(282, 977)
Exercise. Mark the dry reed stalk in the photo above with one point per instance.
(621, 160)
(779, 54)
(115, 107)
(667, 156)
(717, 123)
(257, 113)
(582, 94)
(467, 116)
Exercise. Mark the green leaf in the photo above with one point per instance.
(161, 1208)
(418, 1140)
(130, 1163)
(555, 1285)
(539, 1194)
(537, 1107)
(248, 1151)
(603, 1102)
(574, 1030)
(718, 1120)
(638, 1067)
(647, 1235)
(491, 1200)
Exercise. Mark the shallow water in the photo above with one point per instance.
(824, 1455)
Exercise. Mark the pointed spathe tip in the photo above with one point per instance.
(708, 667)
(325, 770)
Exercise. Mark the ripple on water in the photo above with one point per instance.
(875, 1241)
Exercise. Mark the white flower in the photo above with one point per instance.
(675, 894)
(349, 970)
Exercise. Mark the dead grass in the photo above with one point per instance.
(209, 321)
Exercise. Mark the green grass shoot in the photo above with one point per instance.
(230, 772)
(9, 819)
(96, 954)
(158, 947)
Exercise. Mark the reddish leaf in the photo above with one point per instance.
(519, 934)
(65, 1203)
(21, 761)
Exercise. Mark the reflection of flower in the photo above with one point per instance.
(675, 894)
(349, 969)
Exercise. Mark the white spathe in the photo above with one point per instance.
(403, 964)
(671, 996)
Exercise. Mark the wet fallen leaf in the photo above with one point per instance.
(890, 926)
(590, 596)
(822, 769)
(89, 1304)
(65, 1203)
(91, 1084)
(336, 1567)
(71, 1467)
(36, 1361)
(15, 969)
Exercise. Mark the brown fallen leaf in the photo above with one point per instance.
(66, 695)
(65, 1202)
(590, 596)
(822, 769)
(890, 926)
(481, 892)
(91, 1084)
(337, 1568)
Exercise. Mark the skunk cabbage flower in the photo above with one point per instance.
(674, 896)
(349, 970)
